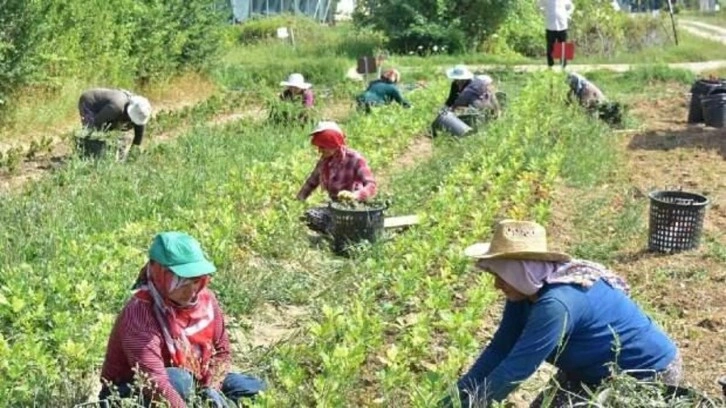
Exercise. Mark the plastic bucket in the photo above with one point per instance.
(714, 108)
(473, 120)
(676, 221)
(699, 89)
(448, 121)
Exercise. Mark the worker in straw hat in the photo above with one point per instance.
(574, 314)
(383, 91)
(103, 109)
(296, 89)
(471, 91)
(172, 334)
(341, 171)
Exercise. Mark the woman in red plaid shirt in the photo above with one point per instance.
(341, 171)
(172, 332)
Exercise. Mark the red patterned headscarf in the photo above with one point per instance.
(328, 139)
(187, 330)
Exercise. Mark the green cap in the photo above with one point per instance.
(181, 253)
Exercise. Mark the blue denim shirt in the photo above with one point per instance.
(579, 330)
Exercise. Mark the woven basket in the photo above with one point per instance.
(353, 226)
(676, 221)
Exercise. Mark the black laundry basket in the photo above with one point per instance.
(676, 220)
(351, 226)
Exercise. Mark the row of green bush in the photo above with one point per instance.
(504, 27)
(44, 43)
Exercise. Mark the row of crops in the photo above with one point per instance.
(392, 326)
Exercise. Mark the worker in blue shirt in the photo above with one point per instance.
(383, 91)
(574, 314)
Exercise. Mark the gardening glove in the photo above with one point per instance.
(346, 195)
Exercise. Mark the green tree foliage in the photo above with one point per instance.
(45, 42)
(458, 25)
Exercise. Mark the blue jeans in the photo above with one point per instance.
(234, 387)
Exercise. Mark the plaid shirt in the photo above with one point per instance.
(136, 340)
(348, 171)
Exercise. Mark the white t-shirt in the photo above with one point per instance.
(557, 13)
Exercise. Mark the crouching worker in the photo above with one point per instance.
(104, 109)
(342, 172)
(298, 101)
(574, 314)
(382, 92)
(297, 90)
(592, 98)
(470, 91)
(172, 333)
(586, 93)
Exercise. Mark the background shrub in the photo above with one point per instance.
(43, 44)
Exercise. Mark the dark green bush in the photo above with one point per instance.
(457, 25)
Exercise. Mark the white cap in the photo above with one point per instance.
(326, 125)
(296, 80)
(139, 110)
(459, 72)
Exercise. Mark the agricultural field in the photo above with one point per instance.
(395, 324)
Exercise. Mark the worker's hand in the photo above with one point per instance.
(346, 195)
(213, 398)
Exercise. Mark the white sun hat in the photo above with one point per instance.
(296, 80)
(139, 110)
(326, 125)
(459, 72)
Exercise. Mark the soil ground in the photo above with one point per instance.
(686, 292)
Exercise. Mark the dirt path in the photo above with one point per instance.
(32, 169)
(689, 287)
(695, 67)
(687, 290)
(704, 30)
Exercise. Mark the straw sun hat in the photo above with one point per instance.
(521, 240)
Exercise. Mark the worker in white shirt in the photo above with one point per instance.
(557, 15)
